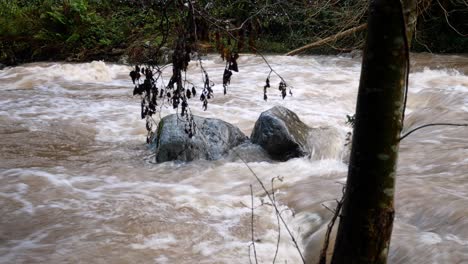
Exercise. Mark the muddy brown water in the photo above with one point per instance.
(78, 184)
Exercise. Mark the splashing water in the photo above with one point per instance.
(78, 184)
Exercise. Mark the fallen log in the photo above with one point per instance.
(326, 40)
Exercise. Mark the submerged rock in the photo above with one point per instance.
(213, 139)
(248, 152)
(284, 136)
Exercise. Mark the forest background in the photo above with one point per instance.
(84, 30)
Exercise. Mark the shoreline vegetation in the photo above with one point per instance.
(86, 30)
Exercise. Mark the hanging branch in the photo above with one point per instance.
(216, 24)
(148, 78)
(266, 86)
(176, 93)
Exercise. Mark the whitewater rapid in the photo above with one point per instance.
(79, 185)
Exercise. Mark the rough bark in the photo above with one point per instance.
(411, 18)
(368, 210)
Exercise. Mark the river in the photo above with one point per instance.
(79, 185)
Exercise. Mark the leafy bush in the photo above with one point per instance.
(92, 29)
(32, 30)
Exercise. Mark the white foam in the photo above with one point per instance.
(162, 259)
(439, 79)
(18, 196)
(58, 180)
(430, 238)
(31, 242)
(456, 239)
(156, 241)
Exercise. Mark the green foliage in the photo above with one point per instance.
(31, 30)
(74, 23)
(91, 29)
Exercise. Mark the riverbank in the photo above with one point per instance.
(83, 31)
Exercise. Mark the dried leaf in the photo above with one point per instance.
(227, 77)
(194, 92)
(133, 75)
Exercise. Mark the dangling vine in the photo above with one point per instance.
(147, 76)
(148, 79)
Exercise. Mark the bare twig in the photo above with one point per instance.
(448, 22)
(270, 197)
(336, 213)
(250, 258)
(293, 239)
(326, 40)
(277, 217)
(215, 24)
(428, 125)
(252, 16)
(252, 225)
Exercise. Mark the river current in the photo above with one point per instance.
(79, 185)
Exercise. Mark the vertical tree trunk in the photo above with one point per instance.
(366, 220)
(411, 17)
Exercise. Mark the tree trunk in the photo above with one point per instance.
(411, 17)
(366, 220)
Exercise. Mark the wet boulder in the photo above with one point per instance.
(281, 133)
(213, 139)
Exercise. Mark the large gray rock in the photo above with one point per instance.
(281, 133)
(213, 138)
(284, 136)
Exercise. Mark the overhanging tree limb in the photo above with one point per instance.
(326, 40)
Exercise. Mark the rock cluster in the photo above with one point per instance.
(278, 134)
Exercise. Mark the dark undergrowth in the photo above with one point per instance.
(84, 30)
